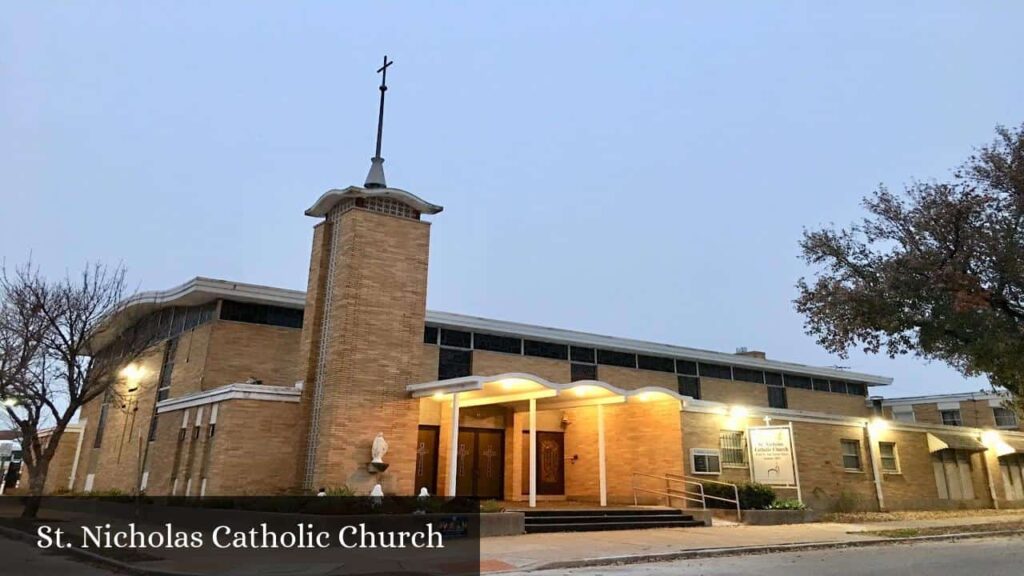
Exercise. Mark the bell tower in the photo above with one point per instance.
(363, 331)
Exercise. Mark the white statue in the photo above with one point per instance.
(379, 449)
(424, 493)
(377, 496)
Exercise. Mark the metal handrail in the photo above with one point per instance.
(684, 494)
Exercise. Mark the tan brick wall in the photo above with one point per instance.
(377, 314)
(59, 474)
(733, 392)
(492, 363)
(828, 402)
(190, 360)
(977, 414)
(253, 448)
(631, 379)
(927, 414)
(240, 350)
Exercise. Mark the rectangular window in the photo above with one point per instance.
(163, 386)
(705, 461)
(213, 429)
(951, 417)
(101, 423)
(583, 372)
(856, 388)
(686, 367)
(456, 338)
(616, 358)
(152, 428)
(851, 454)
(495, 343)
(887, 454)
(1005, 418)
(904, 414)
(734, 448)
(689, 386)
(800, 382)
(453, 363)
(546, 349)
(430, 335)
(715, 371)
(777, 397)
(656, 363)
(255, 314)
(773, 378)
(821, 385)
(582, 354)
(747, 375)
(839, 387)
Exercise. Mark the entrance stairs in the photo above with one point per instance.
(598, 519)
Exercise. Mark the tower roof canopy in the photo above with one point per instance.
(332, 197)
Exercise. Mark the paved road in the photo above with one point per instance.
(988, 557)
(18, 558)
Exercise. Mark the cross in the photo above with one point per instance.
(383, 71)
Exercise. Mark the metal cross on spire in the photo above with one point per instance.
(375, 179)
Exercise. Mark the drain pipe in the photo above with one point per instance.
(874, 455)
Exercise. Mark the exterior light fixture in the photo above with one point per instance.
(739, 412)
(878, 425)
(439, 395)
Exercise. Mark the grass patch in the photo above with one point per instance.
(861, 517)
(944, 530)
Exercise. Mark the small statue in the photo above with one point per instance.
(377, 496)
(379, 449)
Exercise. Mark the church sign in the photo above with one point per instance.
(771, 455)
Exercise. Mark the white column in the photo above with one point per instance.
(453, 447)
(533, 452)
(602, 473)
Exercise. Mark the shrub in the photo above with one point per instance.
(788, 504)
(752, 496)
(491, 506)
(342, 490)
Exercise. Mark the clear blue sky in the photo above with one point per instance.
(639, 169)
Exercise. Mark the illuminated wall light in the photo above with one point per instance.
(878, 425)
(739, 412)
(438, 395)
(582, 390)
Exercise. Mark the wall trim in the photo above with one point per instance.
(230, 392)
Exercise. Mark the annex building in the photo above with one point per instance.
(257, 390)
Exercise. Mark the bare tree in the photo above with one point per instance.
(63, 372)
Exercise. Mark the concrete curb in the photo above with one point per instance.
(697, 553)
(93, 558)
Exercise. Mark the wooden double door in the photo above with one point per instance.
(480, 462)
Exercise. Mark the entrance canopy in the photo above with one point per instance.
(517, 389)
(942, 441)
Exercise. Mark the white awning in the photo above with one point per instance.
(944, 441)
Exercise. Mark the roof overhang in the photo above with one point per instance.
(943, 440)
(195, 292)
(517, 389)
(230, 392)
(331, 198)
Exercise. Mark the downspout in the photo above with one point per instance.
(78, 453)
(873, 456)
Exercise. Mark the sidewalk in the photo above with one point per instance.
(534, 551)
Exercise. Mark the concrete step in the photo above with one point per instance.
(590, 512)
(530, 520)
(602, 526)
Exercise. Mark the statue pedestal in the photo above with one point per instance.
(376, 467)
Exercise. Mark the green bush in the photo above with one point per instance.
(491, 506)
(752, 496)
(788, 504)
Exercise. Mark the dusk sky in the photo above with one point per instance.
(637, 169)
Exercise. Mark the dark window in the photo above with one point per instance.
(581, 354)
(821, 384)
(181, 434)
(616, 358)
(856, 388)
(101, 424)
(773, 378)
(213, 429)
(456, 338)
(430, 335)
(583, 372)
(689, 386)
(546, 349)
(686, 367)
(163, 387)
(715, 371)
(798, 381)
(152, 428)
(656, 363)
(748, 375)
(195, 432)
(777, 397)
(260, 314)
(495, 343)
(839, 386)
(454, 363)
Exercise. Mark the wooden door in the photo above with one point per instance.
(426, 458)
(550, 463)
(480, 467)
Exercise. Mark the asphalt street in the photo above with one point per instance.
(977, 557)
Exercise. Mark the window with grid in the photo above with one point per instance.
(887, 454)
(163, 387)
(777, 397)
(851, 454)
(951, 417)
(689, 386)
(1005, 418)
(733, 448)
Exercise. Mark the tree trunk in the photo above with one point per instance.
(36, 482)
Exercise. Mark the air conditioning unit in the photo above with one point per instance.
(705, 461)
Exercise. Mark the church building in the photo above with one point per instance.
(257, 390)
